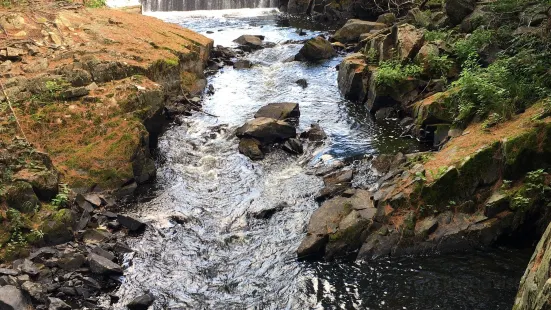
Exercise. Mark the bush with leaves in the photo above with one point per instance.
(473, 43)
(392, 73)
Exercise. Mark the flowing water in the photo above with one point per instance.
(203, 250)
(192, 5)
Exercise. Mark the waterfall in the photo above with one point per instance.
(193, 5)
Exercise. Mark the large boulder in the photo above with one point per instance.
(249, 42)
(338, 225)
(353, 28)
(267, 130)
(457, 10)
(410, 41)
(11, 298)
(354, 77)
(399, 96)
(43, 182)
(279, 111)
(315, 49)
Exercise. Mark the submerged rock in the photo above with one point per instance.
(141, 302)
(315, 133)
(242, 64)
(316, 49)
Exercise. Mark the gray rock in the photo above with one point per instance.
(242, 64)
(29, 268)
(75, 92)
(101, 252)
(457, 10)
(142, 302)
(95, 236)
(35, 290)
(266, 130)
(249, 42)
(293, 146)
(132, 224)
(12, 298)
(93, 198)
(302, 83)
(101, 265)
(9, 272)
(58, 304)
(71, 261)
(279, 111)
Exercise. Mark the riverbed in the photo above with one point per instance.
(203, 250)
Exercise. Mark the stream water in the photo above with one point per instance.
(215, 256)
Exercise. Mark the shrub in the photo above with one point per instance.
(392, 73)
(478, 92)
(435, 35)
(473, 43)
(438, 66)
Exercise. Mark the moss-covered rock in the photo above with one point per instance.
(20, 196)
(57, 227)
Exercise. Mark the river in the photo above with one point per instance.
(215, 256)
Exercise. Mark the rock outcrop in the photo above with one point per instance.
(353, 28)
(534, 290)
(104, 109)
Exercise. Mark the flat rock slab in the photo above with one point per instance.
(279, 111)
(101, 265)
(11, 298)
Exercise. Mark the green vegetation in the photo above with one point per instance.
(95, 3)
(473, 43)
(512, 83)
(392, 73)
(62, 197)
(438, 66)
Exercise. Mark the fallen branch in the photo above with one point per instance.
(13, 111)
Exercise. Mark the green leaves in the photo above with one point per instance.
(392, 73)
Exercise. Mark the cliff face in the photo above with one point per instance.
(89, 87)
(535, 285)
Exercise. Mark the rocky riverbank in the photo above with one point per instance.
(455, 76)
